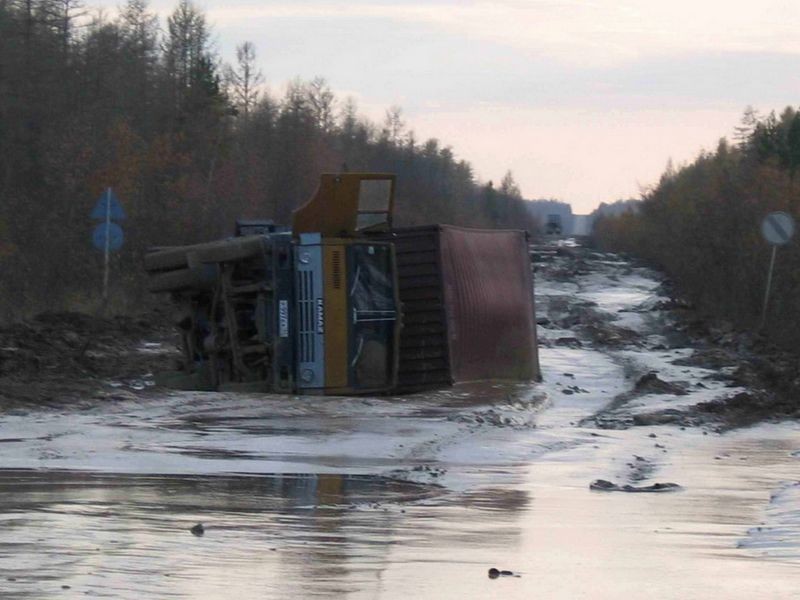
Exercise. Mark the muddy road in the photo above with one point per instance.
(419, 496)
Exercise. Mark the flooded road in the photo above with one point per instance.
(417, 496)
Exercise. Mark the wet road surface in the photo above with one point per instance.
(413, 497)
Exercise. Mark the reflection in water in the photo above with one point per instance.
(296, 535)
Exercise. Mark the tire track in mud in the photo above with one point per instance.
(597, 303)
(675, 376)
(620, 311)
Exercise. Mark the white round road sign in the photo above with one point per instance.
(777, 228)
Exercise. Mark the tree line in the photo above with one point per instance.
(188, 143)
(701, 223)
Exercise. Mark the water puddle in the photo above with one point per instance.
(128, 536)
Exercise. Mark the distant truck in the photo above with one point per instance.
(581, 226)
(344, 303)
(553, 225)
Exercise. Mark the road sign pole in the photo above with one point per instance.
(107, 246)
(107, 236)
(777, 229)
(769, 287)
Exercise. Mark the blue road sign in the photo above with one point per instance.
(115, 236)
(102, 207)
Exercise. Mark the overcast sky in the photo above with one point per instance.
(584, 101)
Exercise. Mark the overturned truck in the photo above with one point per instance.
(346, 303)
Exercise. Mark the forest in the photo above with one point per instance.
(189, 144)
(701, 223)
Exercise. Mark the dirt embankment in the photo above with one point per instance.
(771, 375)
(744, 359)
(71, 357)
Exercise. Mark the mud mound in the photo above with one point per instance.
(65, 354)
(709, 358)
(747, 408)
(611, 336)
(651, 384)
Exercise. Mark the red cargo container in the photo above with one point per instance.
(467, 302)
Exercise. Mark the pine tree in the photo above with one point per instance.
(509, 187)
(245, 79)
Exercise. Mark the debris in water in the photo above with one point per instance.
(607, 486)
(198, 530)
(494, 573)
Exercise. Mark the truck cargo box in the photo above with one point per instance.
(467, 303)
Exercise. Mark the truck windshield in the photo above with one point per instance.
(373, 313)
